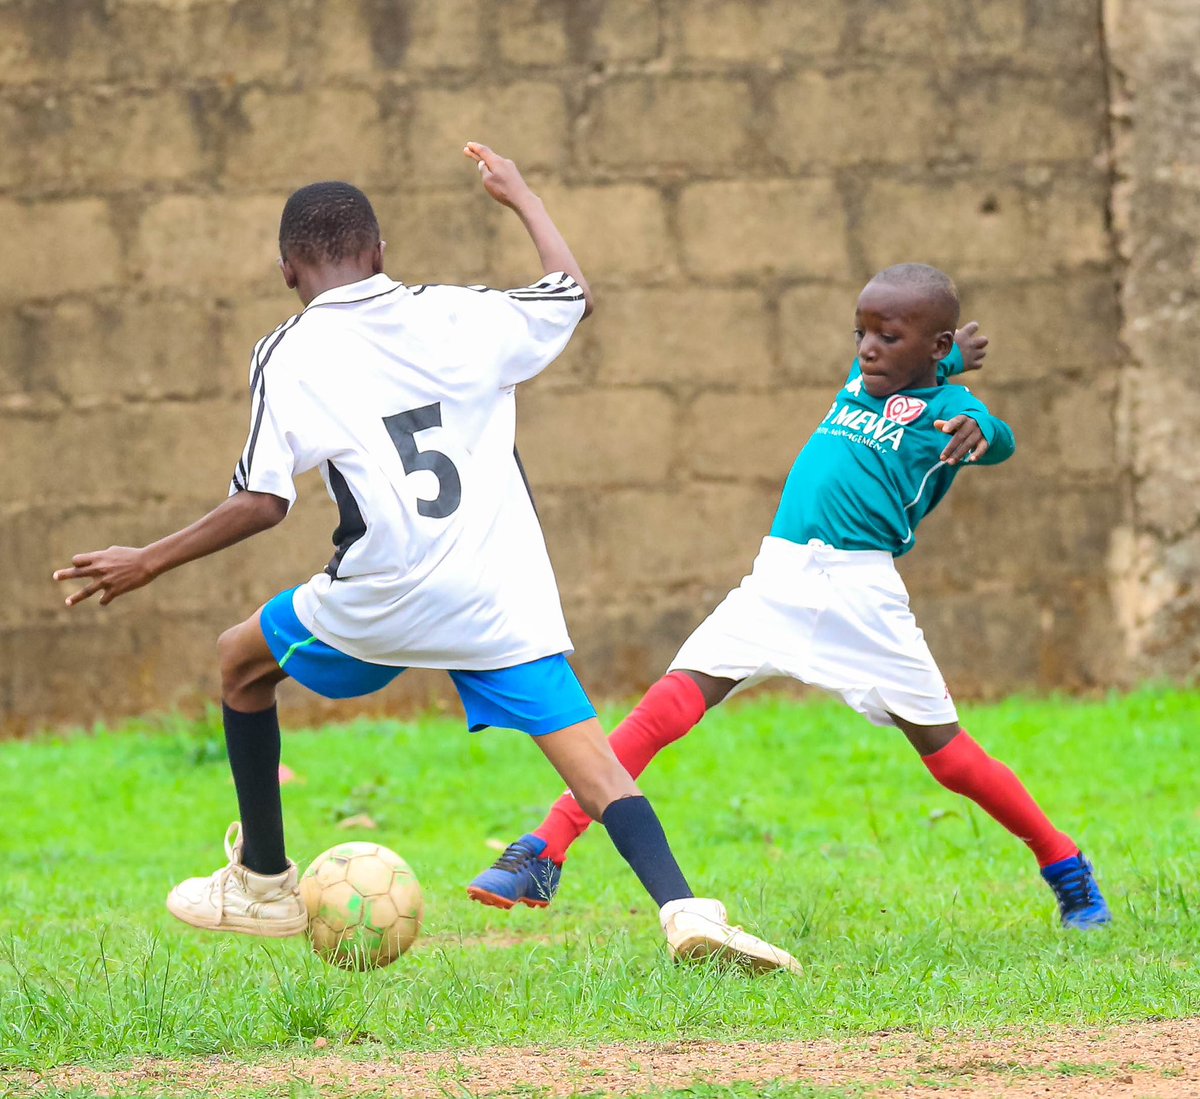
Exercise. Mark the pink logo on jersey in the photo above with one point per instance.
(903, 410)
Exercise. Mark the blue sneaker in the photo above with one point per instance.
(1080, 903)
(520, 875)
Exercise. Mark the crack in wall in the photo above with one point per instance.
(1123, 554)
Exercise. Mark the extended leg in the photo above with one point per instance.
(696, 928)
(667, 712)
(961, 765)
(607, 793)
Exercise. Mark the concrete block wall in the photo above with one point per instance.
(1156, 127)
(730, 172)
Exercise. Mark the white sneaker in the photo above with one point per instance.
(237, 899)
(697, 929)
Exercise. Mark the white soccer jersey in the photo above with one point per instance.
(403, 396)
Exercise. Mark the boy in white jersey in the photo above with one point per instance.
(824, 603)
(403, 397)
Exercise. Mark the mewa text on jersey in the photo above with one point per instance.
(873, 469)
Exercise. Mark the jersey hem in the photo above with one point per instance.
(509, 658)
(821, 548)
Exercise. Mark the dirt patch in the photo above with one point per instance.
(1160, 1059)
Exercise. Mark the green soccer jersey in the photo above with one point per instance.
(873, 470)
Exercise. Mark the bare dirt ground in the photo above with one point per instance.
(1160, 1059)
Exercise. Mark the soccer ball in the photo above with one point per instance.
(364, 905)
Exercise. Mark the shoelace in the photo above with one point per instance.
(514, 858)
(219, 881)
(1075, 889)
(724, 923)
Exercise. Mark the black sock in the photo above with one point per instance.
(636, 832)
(252, 741)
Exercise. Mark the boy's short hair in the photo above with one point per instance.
(928, 281)
(327, 222)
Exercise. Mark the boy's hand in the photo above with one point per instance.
(972, 345)
(966, 443)
(501, 179)
(114, 571)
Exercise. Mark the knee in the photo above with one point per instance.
(597, 796)
(929, 739)
(237, 674)
(956, 769)
(591, 803)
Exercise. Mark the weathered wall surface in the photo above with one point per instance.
(730, 172)
(1154, 48)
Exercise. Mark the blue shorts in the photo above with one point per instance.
(540, 697)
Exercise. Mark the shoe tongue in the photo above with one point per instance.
(263, 883)
(700, 906)
(534, 844)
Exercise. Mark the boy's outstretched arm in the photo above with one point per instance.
(503, 182)
(121, 569)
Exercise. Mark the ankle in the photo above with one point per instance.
(287, 879)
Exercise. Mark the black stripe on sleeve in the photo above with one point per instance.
(544, 288)
(279, 333)
(259, 382)
(548, 291)
(258, 419)
(544, 297)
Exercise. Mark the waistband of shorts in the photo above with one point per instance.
(780, 549)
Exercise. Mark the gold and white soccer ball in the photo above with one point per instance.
(364, 905)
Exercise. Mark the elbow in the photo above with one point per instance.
(274, 511)
(267, 509)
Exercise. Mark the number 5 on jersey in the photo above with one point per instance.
(403, 428)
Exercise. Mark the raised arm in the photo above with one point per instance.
(503, 182)
(121, 569)
(968, 353)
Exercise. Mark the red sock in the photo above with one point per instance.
(669, 709)
(965, 768)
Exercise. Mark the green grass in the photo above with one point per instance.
(908, 908)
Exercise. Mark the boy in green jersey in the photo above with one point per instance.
(824, 603)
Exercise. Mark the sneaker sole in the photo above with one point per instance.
(492, 900)
(244, 925)
(497, 901)
(701, 948)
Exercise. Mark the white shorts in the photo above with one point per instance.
(835, 619)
